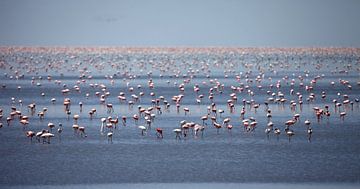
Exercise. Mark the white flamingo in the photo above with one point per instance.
(110, 135)
(143, 129)
(178, 133)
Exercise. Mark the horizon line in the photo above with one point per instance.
(178, 47)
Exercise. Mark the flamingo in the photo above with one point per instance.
(256, 106)
(38, 134)
(229, 127)
(204, 118)
(159, 133)
(296, 117)
(267, 131)
(148, 122)
(246, 125)
(76, 117)
(186, 111)
(226, 121)
(290, 133)
(177, 132)
(41, 115)
(91, 113)
(221, 112)
(123, 118)
(47, 136)
(143, 129)
(309, 132)
(199, 128)
(30, 134)
(110, 135)
(253, 125)
(268, 115)
(185, 127)
(289, 123)
(109, 126)
(59, 130)
(342, 115)
(277, 132)
(80, 106)
(24, 122)
(109, 108)
(82, 131)
(136, 118)
(103, 121)
(114, 121)
(51, 125)
(217, 126)
(68, 113)
(75, 127)
(242, 113)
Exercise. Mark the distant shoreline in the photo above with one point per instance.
(180, 49)
(198, 185)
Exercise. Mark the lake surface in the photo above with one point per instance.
(236, 156)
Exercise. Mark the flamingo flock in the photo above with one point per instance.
(211, 89)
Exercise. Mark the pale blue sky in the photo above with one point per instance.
(243, 23)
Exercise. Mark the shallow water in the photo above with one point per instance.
(201, 185)
(332, 156)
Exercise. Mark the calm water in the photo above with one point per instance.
(333, 155)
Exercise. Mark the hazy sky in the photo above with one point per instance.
(243, 23)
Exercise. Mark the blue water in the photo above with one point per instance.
(333, 155)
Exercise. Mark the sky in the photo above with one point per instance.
(197, 23)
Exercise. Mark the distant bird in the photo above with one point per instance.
(30, 134)
(199, 128)
(186, 111)
(267, 131)
(38, 134)
(76, 117)
(178, 133)
(51, 126)
(159, 133)
(277, 132)
(59, 130)
(110, 135)
(82, 131)
(290, 133)
(46, 137)
(143, 129)
(309, 132)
